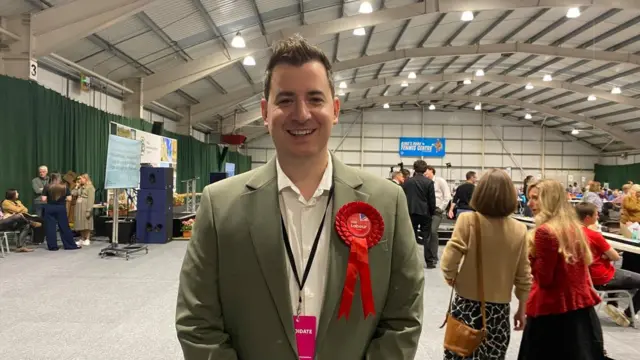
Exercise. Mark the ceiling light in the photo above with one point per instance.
(365, 8)
(343, 85)
(478, 106)
(431, 88)
(412, 75)
(529, 86)
(238, 41)
(467, 16)
(467, 81)
(404, 84)
(386, 105)
(547, 77)
(432, 107)
(249, 61)
(616, 90)
(575, 132)
(479, 72)
(573, 13)
(591, 98)
(527, 116)
(359, 32)
(340, 93)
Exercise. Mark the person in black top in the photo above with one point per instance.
(462, 197)
(421, 199)
(527, 210)
(55, 194)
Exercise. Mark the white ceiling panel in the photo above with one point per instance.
(166, 12)
(200, 89)
(123, 30)
(79, 50)
(189, 26)
(142, 45)
(269, 5)
(383, 37)
(323, 14)
(14, 7)
(227, 11)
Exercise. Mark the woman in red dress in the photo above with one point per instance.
(561, 319)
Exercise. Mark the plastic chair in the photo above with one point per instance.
(605, 295)
(4, 242)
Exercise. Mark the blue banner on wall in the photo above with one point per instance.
(427, 147)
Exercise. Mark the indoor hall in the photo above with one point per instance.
(139, 105)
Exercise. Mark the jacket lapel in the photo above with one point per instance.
(346, 184)
(266, 234)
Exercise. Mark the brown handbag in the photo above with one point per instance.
(459, 337)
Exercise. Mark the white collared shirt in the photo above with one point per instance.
(443, 194)
(302, 219)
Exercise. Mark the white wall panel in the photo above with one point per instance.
(464, 145)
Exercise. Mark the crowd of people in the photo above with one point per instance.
(52, 196)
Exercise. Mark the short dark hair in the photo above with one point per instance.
(495, 195)
(420, 166)
(433, 170)
(585, 209)
(11, 194)
(470, 174)
(405, 172)
(296, 51)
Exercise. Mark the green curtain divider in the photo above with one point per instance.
(42, 127)
(617, 175)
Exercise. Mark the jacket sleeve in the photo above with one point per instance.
(522, 281)
(91, 199)
(10, 208)
(199, 321)
(431, 197)
(546, 257)
(400, 324)
(456, 248)
(36, 187)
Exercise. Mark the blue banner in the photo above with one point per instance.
(427, 147)
(123, 163)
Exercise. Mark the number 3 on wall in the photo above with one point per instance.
(33, 70)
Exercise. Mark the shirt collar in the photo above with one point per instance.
(325, 183)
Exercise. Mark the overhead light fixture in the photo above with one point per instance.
(575, 132)
(238, 41)
(340, 93)
(432, 107)
(412, 75)
(573, 13)
(616, 90)
(404, 84)
(386, 105)
(591, 98)
(547, 78)
(478, 106)
(365, 8)
(249, 61)
(467, 81)
(467, 16)
(529, 86)
(359, 32)
(479, 72)
(343, 85)
(527, 116)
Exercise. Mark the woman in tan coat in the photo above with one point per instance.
(630, 210)
(83, 212)
(505, 266)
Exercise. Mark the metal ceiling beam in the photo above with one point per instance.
(254, 4)
(181, 75)
(60, 26)
(619, 134)
(213, 28)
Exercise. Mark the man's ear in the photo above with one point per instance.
(336, 109)
(264, 105)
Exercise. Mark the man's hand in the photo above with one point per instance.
(450, 214)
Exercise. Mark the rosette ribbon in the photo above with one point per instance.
(361, 227)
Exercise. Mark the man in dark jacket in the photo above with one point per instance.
(421, 199)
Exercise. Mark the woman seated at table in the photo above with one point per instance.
(593, 195)
(630, 212)
(603, 274)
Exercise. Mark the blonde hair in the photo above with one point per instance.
(595, 187)
(560, 218)
(86, 177)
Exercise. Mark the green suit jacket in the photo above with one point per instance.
(233, 297)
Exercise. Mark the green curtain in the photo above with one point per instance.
(242, 162)
(42, 127)
(617, 175)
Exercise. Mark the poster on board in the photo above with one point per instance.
(123, 163)
(155, 150)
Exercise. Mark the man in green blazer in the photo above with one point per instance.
(264, 272)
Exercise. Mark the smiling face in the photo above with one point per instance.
(300, 110)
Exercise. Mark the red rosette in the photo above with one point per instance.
(361, 227)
